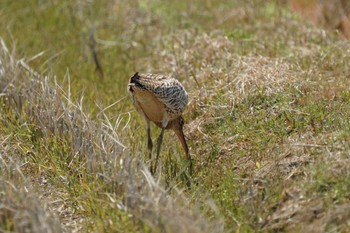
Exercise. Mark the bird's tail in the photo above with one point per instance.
(135, 81)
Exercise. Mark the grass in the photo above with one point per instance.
(267, 122)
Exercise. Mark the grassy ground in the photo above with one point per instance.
(267, 123)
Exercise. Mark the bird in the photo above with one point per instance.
(160, 99)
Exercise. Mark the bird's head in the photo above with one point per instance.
(176, 124)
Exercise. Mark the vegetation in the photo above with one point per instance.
(267, 123)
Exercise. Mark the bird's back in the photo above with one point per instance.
(166, 90)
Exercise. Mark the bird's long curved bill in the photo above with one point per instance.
(182, 139)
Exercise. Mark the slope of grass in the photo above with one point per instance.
(267, 121)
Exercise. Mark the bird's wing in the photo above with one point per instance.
(174, 97)
(167, 90)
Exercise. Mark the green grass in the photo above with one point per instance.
(267, 122)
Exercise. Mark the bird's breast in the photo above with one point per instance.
(147, 103)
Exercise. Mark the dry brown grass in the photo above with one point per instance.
(20, 207)
(267, 123)
(296, 166)
(94, 149)
(220, 81)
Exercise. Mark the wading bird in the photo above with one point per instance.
(160, 99)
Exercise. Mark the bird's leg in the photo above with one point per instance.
(149, 144)
(189, 159)
(160, 139)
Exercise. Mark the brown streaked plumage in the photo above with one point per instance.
(160, 99)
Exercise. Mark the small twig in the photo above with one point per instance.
(92, 46)
(314, 145)
(27, 67)
(195, 79)
(249, 179)
(291, 174)
(111, 105)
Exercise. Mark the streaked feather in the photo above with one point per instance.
(168, 91)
